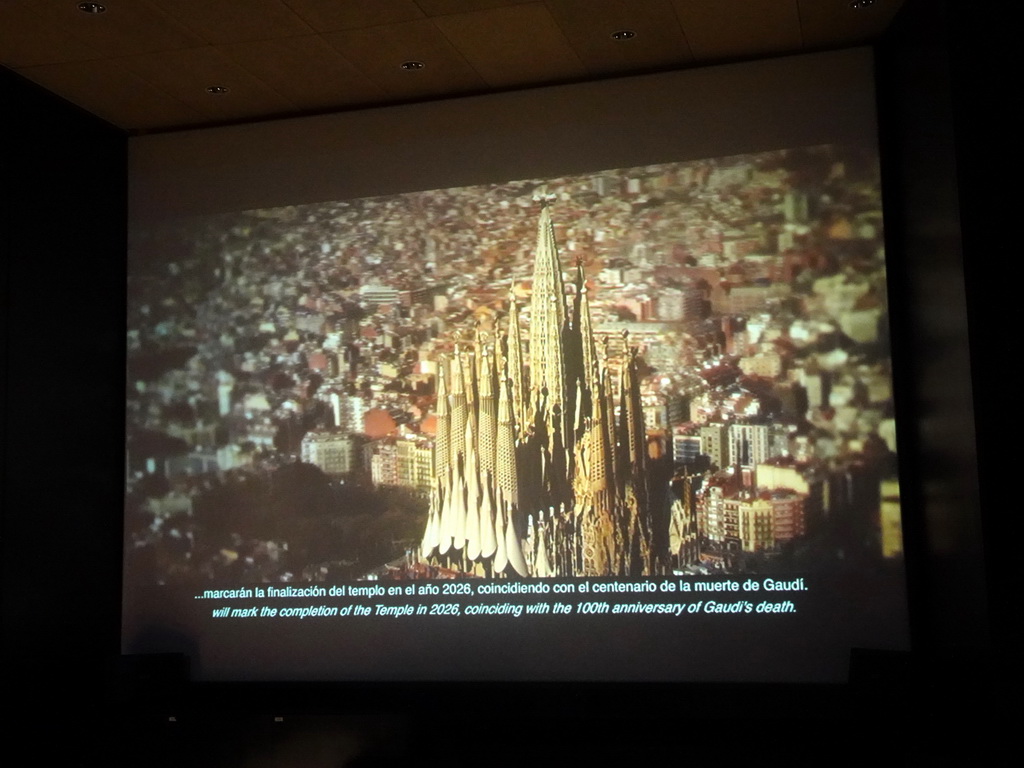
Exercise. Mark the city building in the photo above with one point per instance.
(767, 364)
(892, 525)
(733, 519)
(405, 462)
(713, 441)
(373, 293)
(686, 448)
(336, 453)
(348, 410)
(749, 444)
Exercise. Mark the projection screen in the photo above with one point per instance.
(583, 383)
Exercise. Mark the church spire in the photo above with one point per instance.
(508, 546)
(515, 371)
(547, 318)
(587, 335)
(488, 432)
(440, 492)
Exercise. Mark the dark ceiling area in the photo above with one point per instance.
(157, 65)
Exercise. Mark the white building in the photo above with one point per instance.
(333, 452)
(378, 294)
(406, 462)
(749, 444)
(713, 443)
(349, 411)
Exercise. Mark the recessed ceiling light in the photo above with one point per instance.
(92, 8)
(623, 34)
(857, 4)
(410, 66)
(217, 90)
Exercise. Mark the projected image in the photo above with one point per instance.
(672, 369)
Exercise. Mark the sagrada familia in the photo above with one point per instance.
(534, 473)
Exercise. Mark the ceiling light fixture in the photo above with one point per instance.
(858, 4)
(623, 34)
(217, 90)
(411, 66)
(92, 8)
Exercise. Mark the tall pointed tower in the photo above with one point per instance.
(547, 321)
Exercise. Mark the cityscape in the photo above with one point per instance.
(677, 368)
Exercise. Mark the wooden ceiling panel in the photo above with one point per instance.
(307, 70)
(724, 29)
(26, 39)
(334, 15)
(379, 52)
(589, 24)
(162, 54)
(446, 7)
(186, 75)
(513, 45)
(127, 27)
(113, 93)
(833, 22)
(235, 21)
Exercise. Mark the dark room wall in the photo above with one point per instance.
(62, 241)
(945, 124)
